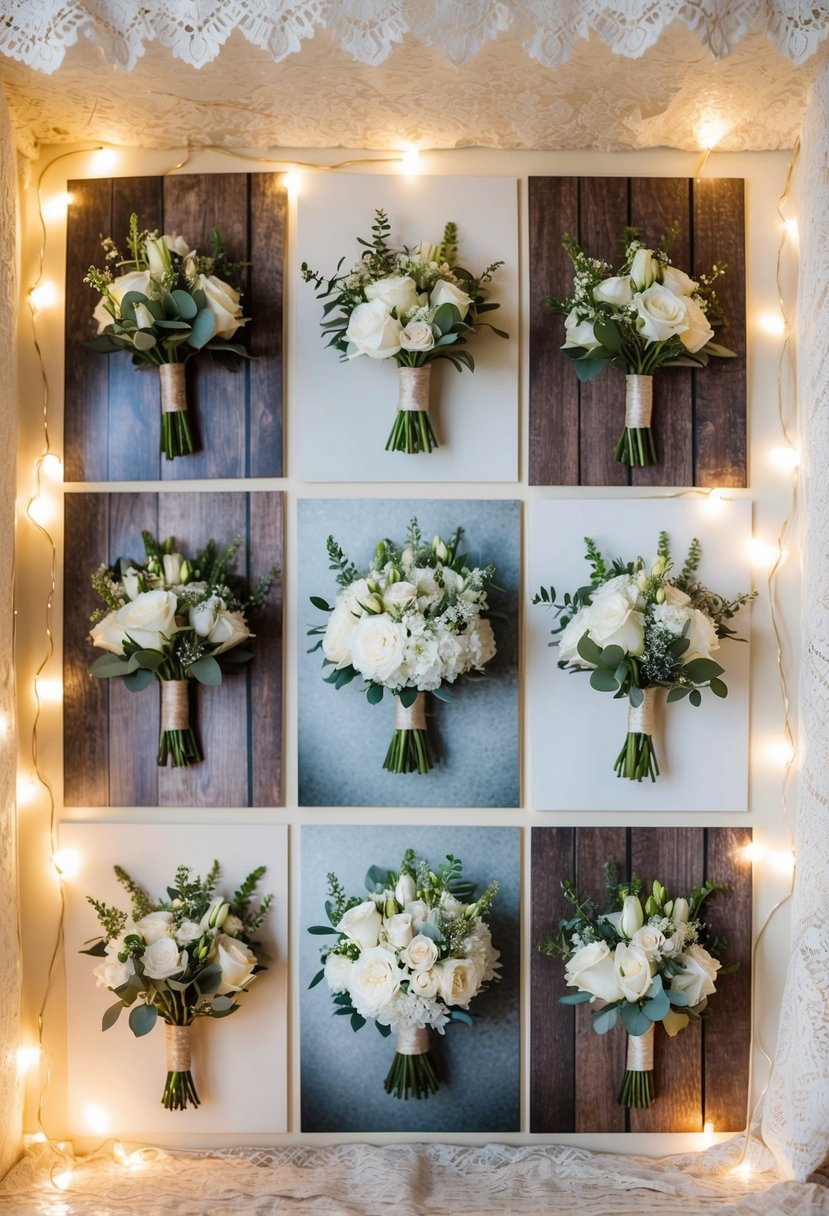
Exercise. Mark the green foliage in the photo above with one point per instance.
(112, 920)
(142, 905)
(346, 571)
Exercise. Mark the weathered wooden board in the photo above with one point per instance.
(111, 734)
(700, 1075)
(699, 416)
(111, 411)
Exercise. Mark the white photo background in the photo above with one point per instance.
(577, 731)
(342, 1071)
(342, 738)
(239, 1063)
(344, 411)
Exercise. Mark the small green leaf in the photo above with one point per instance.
(142, 1019)
(320, 603)
(695, 697)
(603, 680)
(574, 998)
(204, 328)
(384, 1030)
(357, 1021)
(407, 696)
(612, 656)
(443, 694)
(676, 694)
(588, 650)
(318, 978)
(634, 1020)
(459, 1015)
(702, 670)
(718, 688)
(137, 680)
(112, 1015)
(319, 930)
(605, 1020)
(374, 694)
(109, 665)
(206, 670)
(185, 303)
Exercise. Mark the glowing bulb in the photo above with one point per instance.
(32, 1138)
(42, 510)
(51, 466)
(43, 296)
(780, 752)
(754, 851)
(790, 225)
(743, 1169)
(55, 207)
(27, 1058)
(63, 1180)
(714, 502)
(27, 790)
(784, 458)
(771, 323)
(119, 1152)
(97, 1119)
(782, 861)
(707, 1135)
(762, 553)
(410, 160)
(104, 160)
(712, 127)
(67, 862)
(49, 690)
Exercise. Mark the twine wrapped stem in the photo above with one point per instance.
(411, 1074)
(409, 748)
(637, 759)
(636, 446)
(176, 439)
(177, 740)
(179, 1090)
(412, 430)
(637, 1086)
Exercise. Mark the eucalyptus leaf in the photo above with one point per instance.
(407, 696)
(204, 328)
(634, 1020)
(206, 670)
(574, 998)
(374, 694)
(443, 694)
(137, 680)
(605, 1020)
(603, 680)
(111, 1015)
(142, 1019)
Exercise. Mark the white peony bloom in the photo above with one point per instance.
(616, 290)
(188, 931)
(237, 962)
(397, 292)
(398, 595)
(373, 981)
(579, 333)
(154, 926)
(419, 913)
(377, 647)
(163, 959)
(223, 302)
(373, 331)
(481, 642)
(661, 314)
(362, 924)
(448, 293)
(634, 971)
(591, 969)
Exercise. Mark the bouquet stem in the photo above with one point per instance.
(637, 1084)
(176, 439)
(412, 430)
(177, 739)
(636, 447)
(411, 1074)
(409, 748)
(637, 759)
(179, 1090)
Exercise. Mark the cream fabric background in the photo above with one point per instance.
(10, 1096)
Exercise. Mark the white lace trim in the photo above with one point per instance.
(39, 34)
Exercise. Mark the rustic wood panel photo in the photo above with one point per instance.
(699, 417)
(701, 1075)
(111, 734)
(112, 413)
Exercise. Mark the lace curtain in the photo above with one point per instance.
(38, 34)
(796, 1118)
(10, 1097)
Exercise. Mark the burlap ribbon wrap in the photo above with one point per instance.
(175, 705)
(641, 717)
(638, 401)
(413, 388)
(178, 1047)
(413, 717)
(412, 1041)
(173, 394)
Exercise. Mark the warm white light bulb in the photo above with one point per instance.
(711, 128)
(780, 752)
(771, 323)
(291, 179)
(754, 851)
(27, 789)
(51, 466)
(707, 1134)
(784, 457)
(410, 160)
(67, 862)
(97, 1119)
(43, 296)
(763, 554)
(790, 225)
(42, 510)
(54, 208)
(782, 862)
(713, 502)
(27, 1059)
(49, 690)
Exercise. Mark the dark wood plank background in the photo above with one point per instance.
(701, 1075)
(699, 416)
(111, 734)
(112, 411)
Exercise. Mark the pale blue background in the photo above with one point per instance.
(342, 739)
(343, 1071)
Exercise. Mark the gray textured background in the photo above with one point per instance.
(343, 739)
(343, 1072)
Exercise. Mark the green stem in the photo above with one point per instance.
(176, 439)
(636, 447)
(412, 432)
(408, 753)
(411, 1077)
(637, 1090)
(637, 759)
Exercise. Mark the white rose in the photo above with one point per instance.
(134, 280)
(112, 973)
(172, 563)
(229, 629)
(448, 293)
(578, 333)
(373, 331)
(377, 647)
(232, 925)
(633, 971)
(237, 962)
(108, 634)
(419, 913)
(405, 890)
(702, 635)
(425, 984)
(481, 642)
(373, 981)
(336, 641)
(399, 929)
(592, 970)
(417, 336)
(158, 256)
(154, 926)
(661, 313)
(337, 971)
(678, 281)
(632, 916)
(398, 595)
(680, 911)
(188, 931)
(645, 268)
(616, 290)
(397, 291)
(223, 302)
(570, 637)
(177, 244)
(673, 595)
(614, 620)
(149, 619)
(163, 959)
(202, 617)
(698, 330)
(697, 978)
(421, 953)
(131, 582)
(457, 981)
(649, 939)
(362, 924)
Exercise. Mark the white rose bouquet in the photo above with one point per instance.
(411, 305)
(175, 621)
(646, 315)
(166, 306)
(411, 954)
(189, 956)
(412, 623)
(644, 964)
(637, 629)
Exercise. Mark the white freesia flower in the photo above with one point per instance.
(399, 930)
(362, 924)
(112, 973)
(662, 315)
(405, 890)
(154, 926)
(223, 302)
(448, 293)
(417, 335)
(373, 331)
(634, 971)
(176, 243)
(680, 911)
(397, 291)
(163, 959)
(377, 647)
(579, 332)
(172, 563)
(421, 953)
(131, 582)
(158, 256)
(699, 332)
(616, 290)
(337, 972)
(134, 280)
(645, 268)
(697, 978)
(632, 916)
(237, 962)
(458, 980)
(592, 970)
(373, 981)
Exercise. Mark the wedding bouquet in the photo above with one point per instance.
(644, 964)
(412, 624)
(411, 954)
(188, 956)
(411, 305)
(637, 629)
(166, 306)
(648, 314)
(173, 620)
